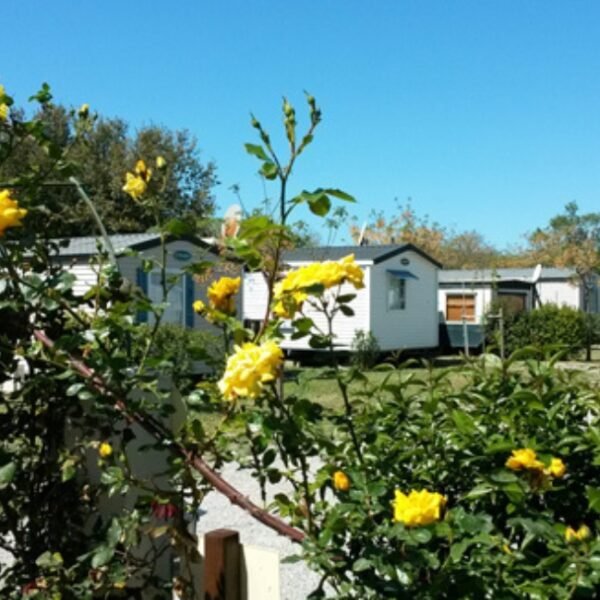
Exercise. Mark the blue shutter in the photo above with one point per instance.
(189, 301)
(142, 281)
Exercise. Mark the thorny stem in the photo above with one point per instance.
(341, 384)
(194, 460)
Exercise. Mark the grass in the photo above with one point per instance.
(321, 385)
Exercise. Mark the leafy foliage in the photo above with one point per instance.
(83, 519)
(548, 325)
(365, 349)
(96, 150)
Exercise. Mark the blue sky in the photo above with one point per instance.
(485, 113)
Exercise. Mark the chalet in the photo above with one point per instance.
(398, 304)
(131, 249)
(465, 296)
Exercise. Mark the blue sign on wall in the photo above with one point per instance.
(182, 255)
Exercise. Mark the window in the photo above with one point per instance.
(175, 311)
(396, 293)
(512, 302)
(459, 306)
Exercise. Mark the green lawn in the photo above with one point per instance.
(324, 388)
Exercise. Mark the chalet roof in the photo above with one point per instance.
(497, 275)
(88, 245)
(374, 254)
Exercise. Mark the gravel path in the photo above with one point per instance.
(296, 580)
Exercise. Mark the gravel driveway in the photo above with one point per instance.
(296, 580)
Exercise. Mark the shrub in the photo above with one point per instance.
(184, 353)
(548, 325)
(365, 350)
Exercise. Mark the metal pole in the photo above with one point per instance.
(501, 327)
(90, 205)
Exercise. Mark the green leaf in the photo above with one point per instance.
(7, 472)
(345, 298)
(340, 195)
(269, 170)
(179, 227)
(503, 477)
(362, 564)
(257, 151)
(464, 422)
(320, 205)
(114, 533)
(420, 535)
(303, 325)
(102, 556)
(593, 496)
(68, 470)
(319, 342)
(49, 560)
(346, 310)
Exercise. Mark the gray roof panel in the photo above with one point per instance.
(490, 275)
(86, 246)
(373, 254)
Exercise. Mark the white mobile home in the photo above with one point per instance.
(398, 304)
(76, 254)
(467, 295)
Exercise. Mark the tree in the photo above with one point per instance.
(100, 149)
(571, 240)
(463, 250)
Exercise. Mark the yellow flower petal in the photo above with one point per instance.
(418, 508)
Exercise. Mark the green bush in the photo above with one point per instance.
(548, 325)
(365, 350)
(184, 353)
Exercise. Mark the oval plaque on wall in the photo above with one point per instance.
(404, 261)
(182, 255)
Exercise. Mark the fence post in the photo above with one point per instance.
(222, 565)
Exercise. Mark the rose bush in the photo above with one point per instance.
(478, 481)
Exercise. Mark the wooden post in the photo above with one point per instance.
(222, 565)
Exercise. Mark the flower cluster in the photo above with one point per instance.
(249, 368)
(525, 459)
(136, 183)
(573, 536)
(221, 294)
(418, 508)
(293, 290)
(3, 105)
(10, 213)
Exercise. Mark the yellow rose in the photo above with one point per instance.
(418, 508)
(524, 458)
(249, 368)
(161, 163)
(10, 213)
(221, 294)
(573, 536)
(136, 183)
(557, 468)
(290, 292)
(105, 450)
(3, 106)
(199, 306)
(341, 481)
(134, 186)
